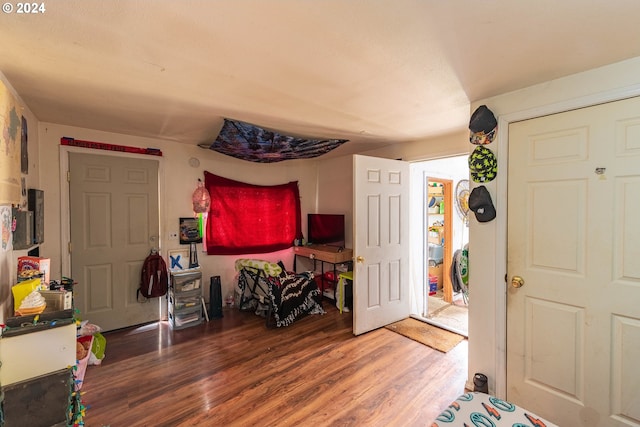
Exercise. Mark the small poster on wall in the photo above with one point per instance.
(190, 231)
(5, 224)
(24, 148)
(178, 259)
(10, 134)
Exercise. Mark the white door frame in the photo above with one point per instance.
(420, 175)
(65, 214)
(501, 208)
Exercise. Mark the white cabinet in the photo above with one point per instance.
(38, 353)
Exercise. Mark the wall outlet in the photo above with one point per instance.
(173, 236)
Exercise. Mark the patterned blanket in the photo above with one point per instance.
(479, 409)
(287, 296)
(294, 296)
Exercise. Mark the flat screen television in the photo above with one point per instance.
(326, 229)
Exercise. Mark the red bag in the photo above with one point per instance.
(154, 279)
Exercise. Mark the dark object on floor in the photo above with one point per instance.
(348, 294)
(215, 298)
(480, 383)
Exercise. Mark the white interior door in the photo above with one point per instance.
(573, 328)
(114, 223)
(381, 242)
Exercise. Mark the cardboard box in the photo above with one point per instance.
(433, 284)
(35, 263)
(435, 235)
(57, 300)
(436, 271)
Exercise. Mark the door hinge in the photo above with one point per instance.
(70, 247)
(68, 176)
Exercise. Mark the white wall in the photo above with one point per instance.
(335, 191)
(433, 148)
(177, 182)
(487, 247)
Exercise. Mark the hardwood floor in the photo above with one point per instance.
(234, 372)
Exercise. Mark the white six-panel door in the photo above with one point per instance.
(381, 242)
(573, 327)
(114, 216)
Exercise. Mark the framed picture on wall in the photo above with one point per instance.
(190, 231)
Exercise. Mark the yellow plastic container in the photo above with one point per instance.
(22, 289)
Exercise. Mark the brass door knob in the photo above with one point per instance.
(517, 282)
(359, 259)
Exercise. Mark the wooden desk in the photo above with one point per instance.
(325, 254)
(330, 254)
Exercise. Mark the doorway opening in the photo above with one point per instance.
(440, 296)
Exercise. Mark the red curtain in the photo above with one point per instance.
(246, 218)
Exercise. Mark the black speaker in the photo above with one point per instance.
(215, 298)
(35, 200)
(23, 234)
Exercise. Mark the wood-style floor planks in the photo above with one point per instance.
(235, 372)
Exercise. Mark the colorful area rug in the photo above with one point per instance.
(432, 336)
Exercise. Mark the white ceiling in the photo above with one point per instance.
(371, 71)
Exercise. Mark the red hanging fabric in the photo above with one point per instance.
(246, 218)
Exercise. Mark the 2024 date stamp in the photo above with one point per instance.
(32, 8)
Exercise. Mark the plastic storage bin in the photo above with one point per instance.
(185, 299)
